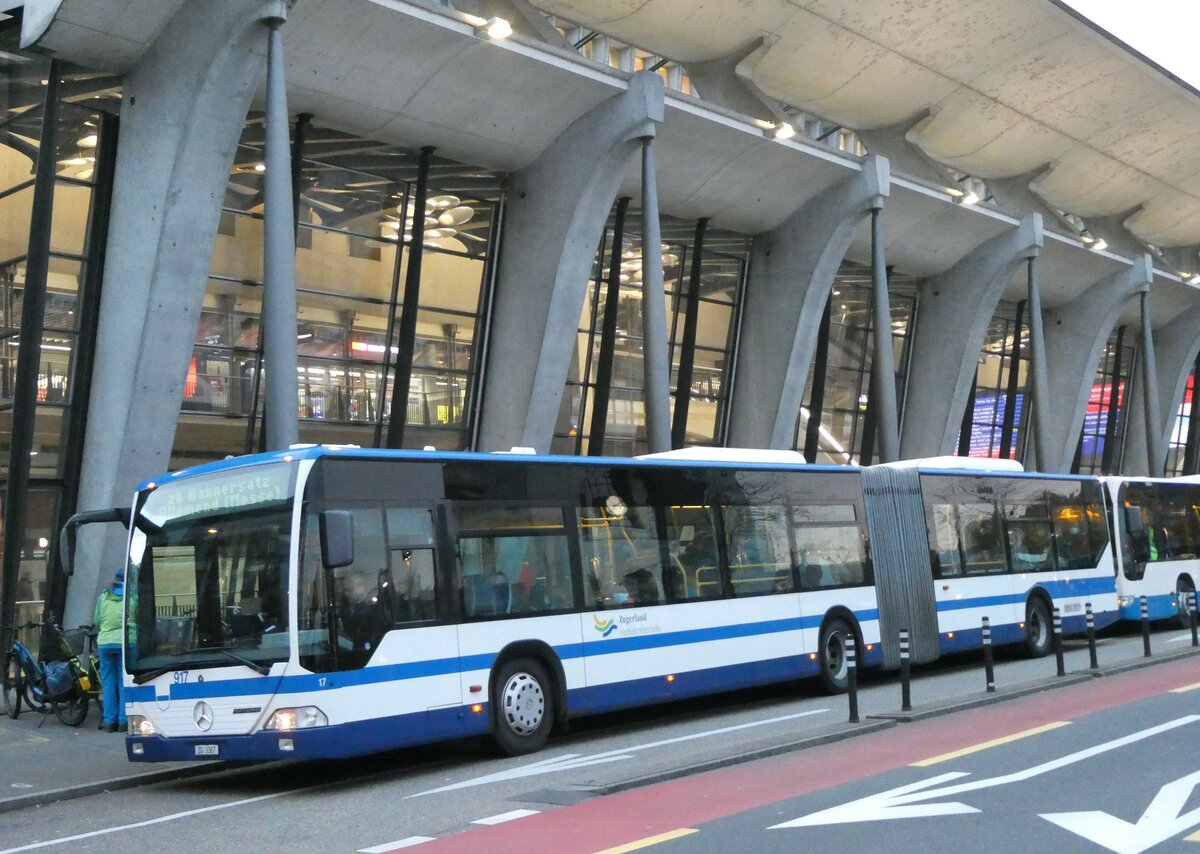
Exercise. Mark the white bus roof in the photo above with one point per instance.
(730, 455)
(964, 464)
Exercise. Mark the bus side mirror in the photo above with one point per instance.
(337, 538)
(1133, 520)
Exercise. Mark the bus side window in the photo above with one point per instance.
(695, 561)
(944, 550)
(829, 546)
(361, 591)
(760, 559)
(412, 562)
(982, 548)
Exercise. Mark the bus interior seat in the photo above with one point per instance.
(643, 587)
(483, 596)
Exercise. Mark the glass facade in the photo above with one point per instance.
(1103, 433)
(353, 241)
(56, 447)
(722, 274)
(1183, 433)
(845, 432)
(1005, 350)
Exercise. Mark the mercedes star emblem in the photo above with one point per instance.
(203, 716)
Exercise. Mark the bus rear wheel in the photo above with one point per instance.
(832, 654)
(522, 707)
(1037, 627)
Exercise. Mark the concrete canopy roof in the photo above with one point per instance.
(1010, 86)
(411, 75)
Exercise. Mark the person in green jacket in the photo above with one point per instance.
(108, 619)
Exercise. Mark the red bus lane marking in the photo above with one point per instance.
(651, 810)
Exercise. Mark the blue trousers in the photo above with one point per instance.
(110, 679)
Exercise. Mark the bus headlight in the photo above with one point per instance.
(303, 717)
(141, 725)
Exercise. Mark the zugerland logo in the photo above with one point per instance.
(604, 627)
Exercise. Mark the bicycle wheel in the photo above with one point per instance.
(73, 711)
(11, 685)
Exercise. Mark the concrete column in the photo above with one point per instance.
(1039, 417)
(954, 309)
(1175, 347)
(1076, 335)
(556, 210)
(656, 369)
(792, 269)
(1155, 451)
(281, 413)
(183, 108)
(883, 362)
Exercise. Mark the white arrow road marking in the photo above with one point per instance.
(894, 803)
(576, 760)
(1158, 823)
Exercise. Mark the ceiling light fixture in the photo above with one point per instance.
(88, 141)
(969, 198)
(1194, 280)
(493, 28)
(1099, 245)
(784, 130)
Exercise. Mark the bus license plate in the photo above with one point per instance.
(207, 750)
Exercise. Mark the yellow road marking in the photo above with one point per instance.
(1016, 736)
(649, 840)
(1184, 688)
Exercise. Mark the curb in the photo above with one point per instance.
(83, 790)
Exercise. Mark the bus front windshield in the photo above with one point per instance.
(208, 572)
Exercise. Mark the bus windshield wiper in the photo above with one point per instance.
(257, 667)
(139, 678)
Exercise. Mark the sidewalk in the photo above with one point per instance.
(42, 764)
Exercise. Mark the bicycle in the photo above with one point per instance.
(61, 685)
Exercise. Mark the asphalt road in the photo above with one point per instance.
(437, 793)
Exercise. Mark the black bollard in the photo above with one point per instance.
(988, 667)
(1145, 609)
(852, 678)
(1192, 616)
(1058, 643)
(905, 696)
(1091, 636)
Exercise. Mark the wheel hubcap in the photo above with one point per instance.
(524, 703)
(835, 657)
(1038, 627)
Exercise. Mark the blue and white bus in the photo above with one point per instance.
(1157, 536)
(328, 602)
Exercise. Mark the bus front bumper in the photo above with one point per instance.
(318, 743)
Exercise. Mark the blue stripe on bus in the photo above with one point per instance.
(1057, 590)
(1159, 606)
(303, 683)
(369, 736)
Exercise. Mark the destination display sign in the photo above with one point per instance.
(241, 489)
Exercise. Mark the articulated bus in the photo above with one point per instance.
(329, 602)
(1157, 536)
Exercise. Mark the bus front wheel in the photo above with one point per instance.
(522, 707)
(832, 654)
(1037, 627)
